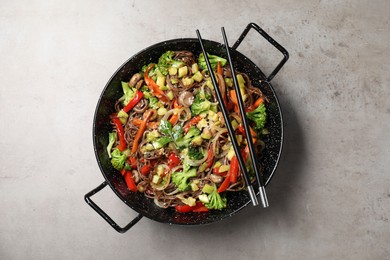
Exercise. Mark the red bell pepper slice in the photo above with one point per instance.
(192, 122)
(199, 207)
(255, 105)
(173, 160)
(129, 180)
(233, 170)
(175, 117)
(219, 68)
(210, 158)
(229, 106)
(233, 98)
(176, 104)
(145, 169)
(153, 162)
(132, 161)
(183, 208)
(225, 184)
(245, 153)
(153, 86)
(138, 96)
(121, 133)
(216, 171)
(241, 130)
(142, 128)
(138, 137)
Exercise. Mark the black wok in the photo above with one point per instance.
(111, 93)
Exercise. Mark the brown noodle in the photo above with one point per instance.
(167, 197)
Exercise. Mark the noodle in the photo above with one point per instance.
(185, 135)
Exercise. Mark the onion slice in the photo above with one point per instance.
(197, 162)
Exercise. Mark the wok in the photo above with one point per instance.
(112, 92)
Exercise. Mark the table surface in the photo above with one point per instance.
(329, 198)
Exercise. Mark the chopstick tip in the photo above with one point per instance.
(252, 195)
(263, 197)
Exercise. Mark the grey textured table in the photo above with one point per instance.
(330, 197)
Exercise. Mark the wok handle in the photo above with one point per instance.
(270, 40)
(88, 199)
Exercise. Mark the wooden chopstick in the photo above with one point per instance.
(225, 114)
(255, 162)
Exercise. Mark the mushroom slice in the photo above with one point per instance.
(186, 99)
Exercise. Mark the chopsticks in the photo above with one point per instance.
(255, 162)
(252, 195)
(225, 114)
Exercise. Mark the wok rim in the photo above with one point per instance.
(103, 172)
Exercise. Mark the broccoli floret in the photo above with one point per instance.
(195, 154)
(153, 103)
(180, 179)
(213, 61)
(127, 167)
(258, 116)
(128, 93)
(194, 131)
(186, 140)
(200, 104)
(146, 66)
(111, 142)
(118, 159)
(215, 200)
(166, 60)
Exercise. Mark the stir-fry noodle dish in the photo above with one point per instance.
(169, 139)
